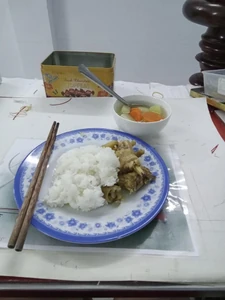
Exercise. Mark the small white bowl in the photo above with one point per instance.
(142, 128)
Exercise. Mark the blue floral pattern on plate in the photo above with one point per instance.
(104, 224)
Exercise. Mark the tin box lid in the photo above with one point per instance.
(70, 58)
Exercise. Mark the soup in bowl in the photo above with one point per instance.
(148, 117)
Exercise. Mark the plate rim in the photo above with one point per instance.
(94, 239)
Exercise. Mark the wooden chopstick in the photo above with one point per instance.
(26, 202)
(34, 197)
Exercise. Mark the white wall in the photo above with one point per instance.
(10, 61)
(33, 33)
(151, 38)
(25, 37)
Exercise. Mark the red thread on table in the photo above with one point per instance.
(162, 217)
(214, 149)
(56, 104)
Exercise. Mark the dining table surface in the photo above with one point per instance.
(194, 138)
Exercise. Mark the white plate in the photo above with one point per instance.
(104, 224)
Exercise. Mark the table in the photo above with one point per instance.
(193, 141)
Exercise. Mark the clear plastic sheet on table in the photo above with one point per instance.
(168, 234)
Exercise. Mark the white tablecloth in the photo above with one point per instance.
(192, 133)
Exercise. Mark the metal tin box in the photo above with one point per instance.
(62, 78)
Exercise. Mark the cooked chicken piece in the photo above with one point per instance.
(145, 173)
(127, 157)
(113, 145)
(133, 181)
(112, 193)
(139, 153)
(130, 181)
(126, 145)
(128, 160)
(132, 175)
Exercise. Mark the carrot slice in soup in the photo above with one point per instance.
(151, 117)
(136, 114)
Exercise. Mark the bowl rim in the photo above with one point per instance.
(144, 123)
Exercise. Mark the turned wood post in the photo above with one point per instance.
(210, 13)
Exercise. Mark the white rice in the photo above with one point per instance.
(79, 175)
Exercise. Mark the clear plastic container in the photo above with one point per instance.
(214, 83)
